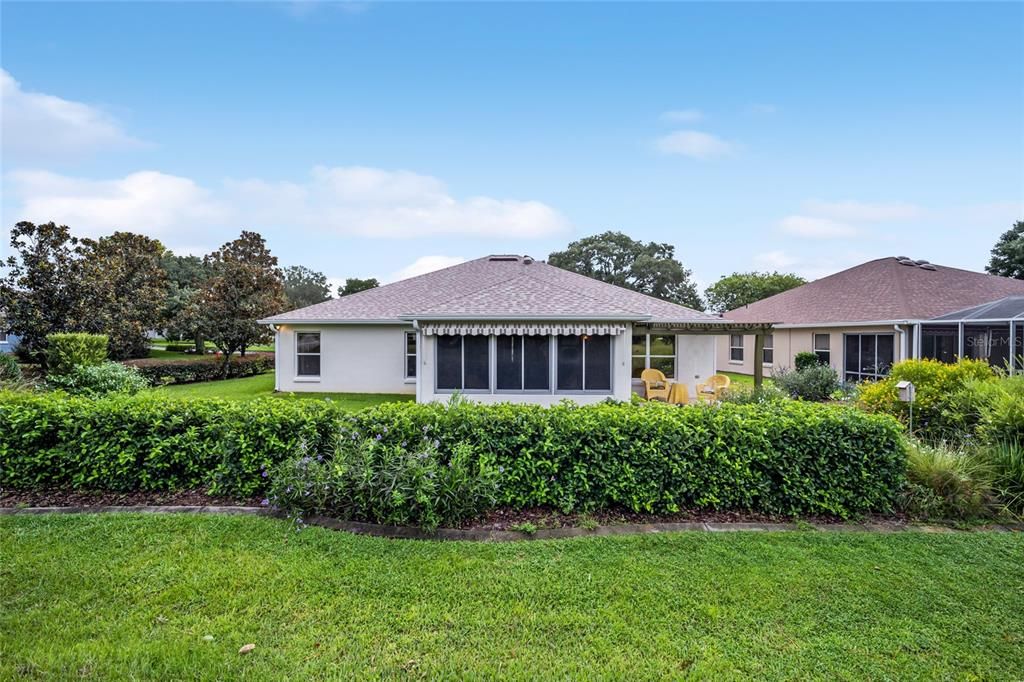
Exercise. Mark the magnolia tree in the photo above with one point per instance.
(243, 285)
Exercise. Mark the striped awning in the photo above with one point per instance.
(465, 328)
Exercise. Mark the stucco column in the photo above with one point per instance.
(758, 359)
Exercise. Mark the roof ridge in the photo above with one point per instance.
(638, 293)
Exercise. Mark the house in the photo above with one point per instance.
(499, 328)
(862, 320)
(8, 342)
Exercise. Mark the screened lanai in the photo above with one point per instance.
(993, 332)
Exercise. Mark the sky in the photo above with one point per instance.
(383, 140)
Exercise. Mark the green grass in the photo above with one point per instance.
(262, 386)
(746, 380)
(157, 341)
(133, 596)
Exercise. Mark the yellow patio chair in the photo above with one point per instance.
(713, 388)
(655, 384)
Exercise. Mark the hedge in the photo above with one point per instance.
(161, 372)
(786, 458)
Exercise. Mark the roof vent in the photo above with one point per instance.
(928, 266)
(527, 260)
(906, 261)
(922, 262)
(503, 259)
(902, 258)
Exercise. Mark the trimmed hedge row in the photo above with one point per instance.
(161, 372)
(785, 458)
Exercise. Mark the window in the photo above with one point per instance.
(940, 342)
(868, 356)
(3, 337)
(768, 353)
(735, 347)
(821, 348)
(463, 363)
(410, 355)
(654, 352)
(584, 363)
(307, 351)
(523, 363)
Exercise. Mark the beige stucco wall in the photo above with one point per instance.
(790, 341)
(370, 359)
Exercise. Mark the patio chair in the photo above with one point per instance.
(656, 386)
(713, 388)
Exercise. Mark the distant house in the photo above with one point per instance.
(862, 320)
(8, 342)
(499, 328)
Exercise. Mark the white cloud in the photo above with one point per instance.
(683, 116)
(695, 144)
(815, 228)
(423, 265)
(37, 125)
(157, 204)
(859, 211)
(774, 260)
(352, 200)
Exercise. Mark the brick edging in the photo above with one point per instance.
(484, 535)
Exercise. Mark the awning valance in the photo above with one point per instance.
(523, 328)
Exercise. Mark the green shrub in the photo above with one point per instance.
(97, 380)
(64, 352)
(942, 410)
(366, 480)
(786, 457)
(805, 359)
(738, 394)
(999, 406)
(180, 347)
(815, 383)
(780, 458)
(10, 370)
(161, 372)
(1005, 462)
(947, 482)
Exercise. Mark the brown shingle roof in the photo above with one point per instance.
(880, 290)
(495, 287)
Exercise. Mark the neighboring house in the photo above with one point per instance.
(499, 328)
(8, 342)
(862, 320)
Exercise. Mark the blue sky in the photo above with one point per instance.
(384, 139)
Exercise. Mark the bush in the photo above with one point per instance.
(370, 481)
(748, 395)
(787, 457)
(943, 410)
(999, 406)
(150, 442)
(180, 347)
(815, 383)
(1005, 461)
(64, 352)
(10, 370)
(98, 380)
(161, 372)
(947, 482)
(805, 359)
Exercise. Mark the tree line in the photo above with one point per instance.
(126, 285)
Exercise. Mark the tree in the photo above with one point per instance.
(179, 318)
(304, 287)
(743, 288)
(354, 285)
(616, 258)
(42, 292)
(1008, 253)
(244, 285)
(124, 287)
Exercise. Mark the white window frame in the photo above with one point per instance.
(732, 347)
(462, 367)
(522, 367)
(410, 378)
(320, 354)
(768, 347)
(827, 350)
(583, 373)
(647, 355)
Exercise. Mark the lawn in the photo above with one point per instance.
(744, 380)
(262, 386)
(174, 597)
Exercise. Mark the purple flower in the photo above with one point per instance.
(264, 502)
(378, 436)
(264, 473)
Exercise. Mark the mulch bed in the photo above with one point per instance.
(98, 498)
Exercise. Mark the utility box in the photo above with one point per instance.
(905, 390)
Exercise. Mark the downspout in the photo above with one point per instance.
(419, 369)
(903, 341)
(277, 358)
